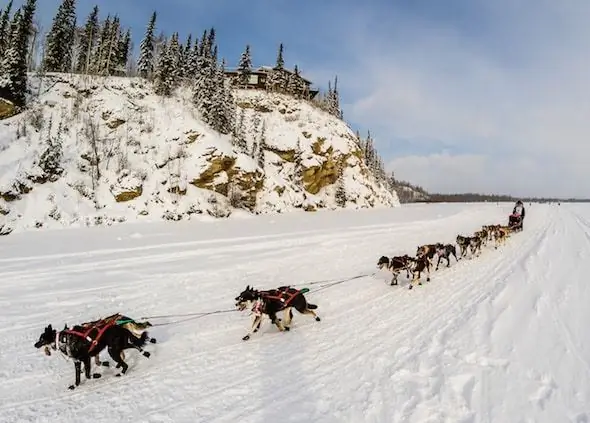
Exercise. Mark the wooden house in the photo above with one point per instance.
(260, 79)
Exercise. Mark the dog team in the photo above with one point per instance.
(425, 254)
(117, 333)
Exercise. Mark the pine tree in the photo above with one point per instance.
(13, 79)
(88, 42)
(145, 64)
(277, 78)
(112, 56)
(124, 49)
(192, 65)
(166, 71)
(223, 105)
(280, 61)
(60, 39)
(340, 194)
(294, 83)
(185, 55)
(245, 67)
(239, 133)
(205, 89)
(5, 29)
(260, 153)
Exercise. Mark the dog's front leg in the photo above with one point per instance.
(78, 371)
(255, 326)
(394, 278)
(438, 262)
(87, 363)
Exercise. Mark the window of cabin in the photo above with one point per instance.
(253, 79)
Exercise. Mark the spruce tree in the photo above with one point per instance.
(192, 65)
(101, 52)
(112, 56)
(88, 42)
(164, 74)
(124, 49)
(260, 153)
(5, 33)
(145, 64)
(239, 133)
(340, 194)
(280, 61)
(13, 79)
(60, 39)
(245, 67)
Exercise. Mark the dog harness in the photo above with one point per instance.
(86, 334)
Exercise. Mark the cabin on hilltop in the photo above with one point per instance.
(273, 79)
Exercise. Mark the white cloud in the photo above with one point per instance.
(513, 94)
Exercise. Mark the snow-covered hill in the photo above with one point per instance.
(95, 150)
(499, 338)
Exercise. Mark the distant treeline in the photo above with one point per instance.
(477, 198)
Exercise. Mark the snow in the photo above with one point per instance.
(158, 147)
(501, 337)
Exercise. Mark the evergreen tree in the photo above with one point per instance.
(145, 64)
(204, 89)
(340, 194)
(245, 67)
(280, 61)
(239, 133)
(294, 83)
(13, 79)
(87, 42)
(5, 32)
(223, 105)
(165, 70)
(60, 39)
(260, 153)
(124, 49)
(101, 52)
(185, 57)
(192, 65)
(111, 49)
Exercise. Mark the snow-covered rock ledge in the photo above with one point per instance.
(93, 150)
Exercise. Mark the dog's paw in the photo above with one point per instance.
(118, 375)
(105, 364)
(71, 387)
(96, 375)
(317, 319)
(146, 354)
(153, 340)
(245, 338)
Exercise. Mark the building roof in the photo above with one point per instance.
(266, 69)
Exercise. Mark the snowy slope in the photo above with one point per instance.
(129, 155)
(500, 338)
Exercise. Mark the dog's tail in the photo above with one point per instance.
(312, 306)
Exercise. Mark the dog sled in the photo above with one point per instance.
(515, 222)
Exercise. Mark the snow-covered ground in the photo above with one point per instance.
(500, 338)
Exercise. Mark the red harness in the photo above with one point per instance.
(284, 295)
(99, 326)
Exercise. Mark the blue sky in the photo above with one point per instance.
(460, 95)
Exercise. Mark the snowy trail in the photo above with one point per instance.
(497, 338)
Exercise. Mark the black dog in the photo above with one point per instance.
(273, 301)
(417, 266)
(80, 344)
(445, 251)
(395, 265)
